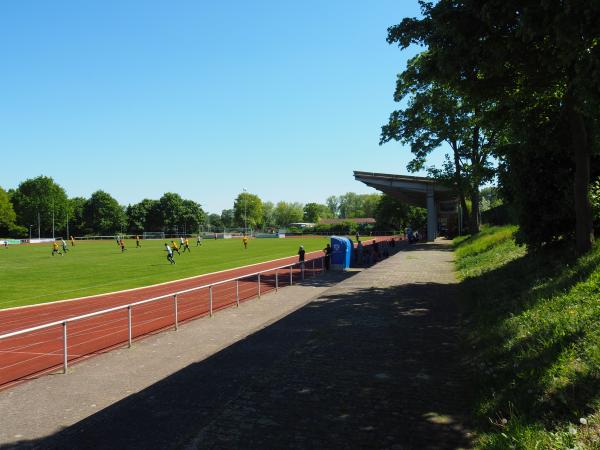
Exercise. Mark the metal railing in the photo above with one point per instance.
(64, 323)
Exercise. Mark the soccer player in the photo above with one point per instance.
(55, 248)
(64, 246)
(137, 241)
(198, 241)
(72, 241)
(169, 253)
(186, 246)
(122, 244)
(181, 242)
(175, 247)
(245, 241)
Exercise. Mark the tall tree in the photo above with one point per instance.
(41, 198)
(268, 214)
(138, 216)
(8, 216)
(192, 216)
(436, 114)
(170, 207)
(333, 203)
(227, 218)
(248, 210)
(510, 54)
(313, 212)
(76, 216)
(103, 214)
(286, 213)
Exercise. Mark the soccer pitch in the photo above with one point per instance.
(30, 275)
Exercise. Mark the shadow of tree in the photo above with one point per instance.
(521, 376)
(361, 368)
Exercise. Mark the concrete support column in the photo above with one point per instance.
(431, 215)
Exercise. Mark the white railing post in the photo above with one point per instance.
(259, 285)
(237, 292)
(176, 312)
(276, 280)
(65, 353)
(210, 300)
(129, 325)
(291, 275)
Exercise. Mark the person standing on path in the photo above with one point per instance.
(327, 260)
(301, 253)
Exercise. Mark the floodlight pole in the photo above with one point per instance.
(30, 232)
(245, 213)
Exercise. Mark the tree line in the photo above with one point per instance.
(41, 206)
(512, 88)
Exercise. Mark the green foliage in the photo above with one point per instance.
(286, 213)
(103, 214)
(533, 341)
(41, 195)
(490, 197)
(8, 227)
(248, 210)
(528, 64)
(76, 220)
(227, 217)
(393, 214)
(313, 212)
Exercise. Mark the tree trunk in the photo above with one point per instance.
(475, 179)
(460, 184)
(584, 231)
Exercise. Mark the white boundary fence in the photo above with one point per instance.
(64, 322)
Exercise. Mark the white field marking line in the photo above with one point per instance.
(152, 285)
(141, 302)
(108, 328)
(106, 331)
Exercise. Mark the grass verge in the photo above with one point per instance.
(533, 332)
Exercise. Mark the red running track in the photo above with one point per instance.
(28, 355)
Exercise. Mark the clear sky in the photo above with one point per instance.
(140, 97)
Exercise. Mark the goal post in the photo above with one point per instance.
(153, 235)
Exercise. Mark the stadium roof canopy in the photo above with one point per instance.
(409, 189)
(416, 191)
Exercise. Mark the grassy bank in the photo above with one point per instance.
(533, 332)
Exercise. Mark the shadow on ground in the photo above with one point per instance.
(361, 368)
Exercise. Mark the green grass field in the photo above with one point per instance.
(30, 275)
(532, 342)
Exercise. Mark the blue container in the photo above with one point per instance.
(341, 254)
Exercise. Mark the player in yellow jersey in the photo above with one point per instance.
(245, 241)
(55, 248)
(186, 245)
(175, 247)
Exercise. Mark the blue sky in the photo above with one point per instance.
(139, 98)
